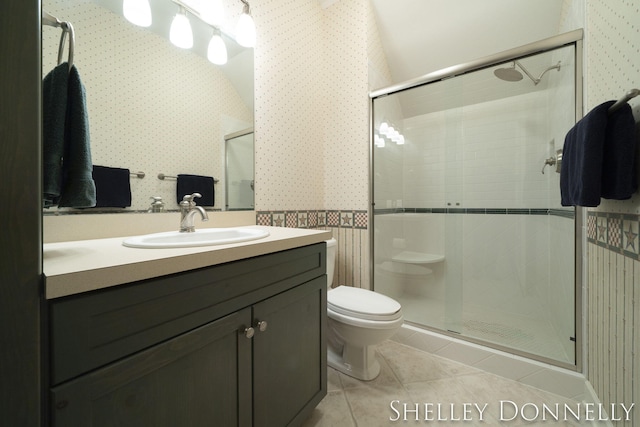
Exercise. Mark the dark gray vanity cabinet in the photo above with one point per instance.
(238, 344)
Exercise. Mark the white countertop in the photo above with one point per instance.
(86, 265)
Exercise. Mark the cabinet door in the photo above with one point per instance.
(199, 378)
(290, 355)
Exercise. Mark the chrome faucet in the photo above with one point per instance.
(188, 209)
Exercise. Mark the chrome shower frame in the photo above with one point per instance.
(574, 38)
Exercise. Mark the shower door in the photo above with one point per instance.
(468, 231)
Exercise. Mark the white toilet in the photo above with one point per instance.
(358, 319)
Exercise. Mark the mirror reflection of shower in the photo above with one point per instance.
(239, 168)
(511, 74)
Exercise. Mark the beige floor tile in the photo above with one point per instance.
(333, 380)
(371, 405)
(411, 365)
(386, 377)
(333, 411)
(410, 376)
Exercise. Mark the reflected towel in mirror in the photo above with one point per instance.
(113, 187)
(189, 184)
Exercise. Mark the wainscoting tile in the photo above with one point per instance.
(615, 232)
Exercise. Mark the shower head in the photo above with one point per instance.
(510, 74)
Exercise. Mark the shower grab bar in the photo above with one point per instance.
(627, 96)
(52, 21)
(162, 177)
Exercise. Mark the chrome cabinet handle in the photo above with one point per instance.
(262, 325)
(249, 332)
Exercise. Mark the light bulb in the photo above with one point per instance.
(400, 140)
(246, 30)
(138, 12)
(180, 33)
(217, 51)
(384, 128)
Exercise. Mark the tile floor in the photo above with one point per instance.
(410, 376)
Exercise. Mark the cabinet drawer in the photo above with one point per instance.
(96, 328)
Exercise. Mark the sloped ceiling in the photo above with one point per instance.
(422, 36)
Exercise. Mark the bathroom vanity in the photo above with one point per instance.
(229, 342)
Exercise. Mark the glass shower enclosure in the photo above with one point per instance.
(467, 228)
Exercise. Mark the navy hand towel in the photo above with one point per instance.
(113, 187)
(618, 160)
(581, 172)
(189, 184)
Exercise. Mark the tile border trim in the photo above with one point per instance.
(565, 213)
(349, 218)
(616, 232)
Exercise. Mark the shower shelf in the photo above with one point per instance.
(410, 257)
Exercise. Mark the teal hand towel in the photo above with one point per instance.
(78, 187)
(67, 162)
(54, 111)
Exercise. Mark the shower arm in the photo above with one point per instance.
(533, 79)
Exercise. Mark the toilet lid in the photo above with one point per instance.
(362, 304)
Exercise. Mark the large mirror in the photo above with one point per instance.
(154, 107)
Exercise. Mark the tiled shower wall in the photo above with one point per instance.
(612, 67)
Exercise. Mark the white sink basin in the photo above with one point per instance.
(201, 237)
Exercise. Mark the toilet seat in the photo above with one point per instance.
(363, 304)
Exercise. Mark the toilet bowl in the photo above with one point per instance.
(357, 320)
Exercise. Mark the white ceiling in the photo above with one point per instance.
(422, 36)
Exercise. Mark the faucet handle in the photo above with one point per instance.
(189, 197)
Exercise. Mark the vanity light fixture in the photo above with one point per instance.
(246, 28)
(384, 128)
(217, 51)
(138, 12)
(212, 12)
(180, 33)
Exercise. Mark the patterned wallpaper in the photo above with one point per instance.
(311, 104)
(612, 67)
(289, 124)
(312, 140)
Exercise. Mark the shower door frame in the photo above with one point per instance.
(574, 38)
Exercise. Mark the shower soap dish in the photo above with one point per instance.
(410, 257)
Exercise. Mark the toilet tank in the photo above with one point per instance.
(331, 260)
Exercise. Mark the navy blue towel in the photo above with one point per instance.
(66, 141)
(581, 172)
(113, 187)
(188, 184)
(619, 179)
